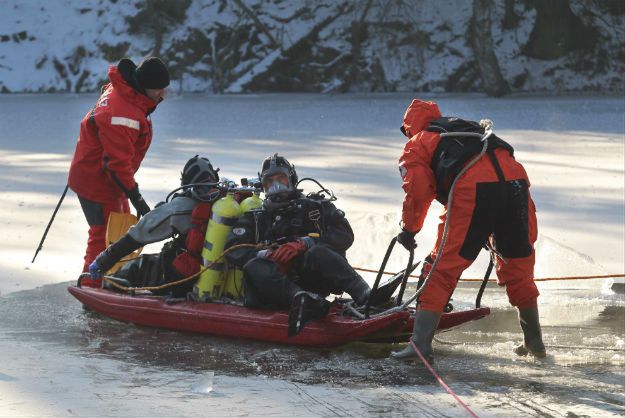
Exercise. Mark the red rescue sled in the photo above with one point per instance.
(238, 321)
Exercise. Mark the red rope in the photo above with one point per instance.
(440, 380)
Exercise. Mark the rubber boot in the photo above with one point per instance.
(306, 307)
(532, 335)
(87, 281)
(425, 325)
(358, 289)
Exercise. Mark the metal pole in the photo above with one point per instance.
(45, 233)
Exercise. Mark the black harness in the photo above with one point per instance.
(298, 218)
(453, 152)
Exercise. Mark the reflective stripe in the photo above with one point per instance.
(131, 123)
(208, 245)
(224, 220)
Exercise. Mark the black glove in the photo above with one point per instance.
(137, 201)
(406, 238)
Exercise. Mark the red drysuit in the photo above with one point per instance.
(485, 206)
(114, 137)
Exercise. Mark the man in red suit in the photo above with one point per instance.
(491, 203)
(114, 137)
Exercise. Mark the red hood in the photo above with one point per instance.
(419, 115)
(123, 88)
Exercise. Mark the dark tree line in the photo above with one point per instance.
(561, 28)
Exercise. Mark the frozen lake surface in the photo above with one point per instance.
(61, 361)
(58, 358)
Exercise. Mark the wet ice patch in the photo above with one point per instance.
(204, 386)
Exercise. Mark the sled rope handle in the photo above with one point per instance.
(186, 279)
(441, 381)
(542, 279)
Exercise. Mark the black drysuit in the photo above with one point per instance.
(322, 269)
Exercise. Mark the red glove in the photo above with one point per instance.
(201, 213)
(195, 240)
(186, 265)
(199, 220)
(287, 252)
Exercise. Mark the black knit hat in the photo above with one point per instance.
(151, 73)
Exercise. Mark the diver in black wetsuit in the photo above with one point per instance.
(307, 259)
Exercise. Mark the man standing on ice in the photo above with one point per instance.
(114, 137)
(490, 202)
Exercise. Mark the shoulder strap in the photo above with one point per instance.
(493, 159)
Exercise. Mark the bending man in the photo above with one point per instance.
(491, 203)
(114, 137)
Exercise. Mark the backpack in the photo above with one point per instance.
(453, 153)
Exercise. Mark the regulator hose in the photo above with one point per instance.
(211, 197)
(322, 188)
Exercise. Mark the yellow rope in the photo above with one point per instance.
(126, 259)
(543, 279)
(548, 279)
(186, 279)
(260, 246)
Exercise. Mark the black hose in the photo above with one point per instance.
(389, 250)
(321, 187)
(188, 186)
(404, 280)
(489, 270)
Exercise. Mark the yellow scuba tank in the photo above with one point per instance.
(224, 214)
(252, 202)
(233, 288)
